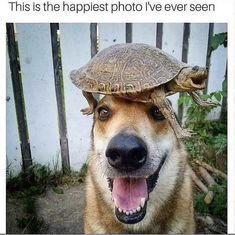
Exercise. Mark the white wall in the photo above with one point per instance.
(39, 91)
(75, 48)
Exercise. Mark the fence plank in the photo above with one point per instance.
(18, 96)
(144, 33)
(60, 98)
(208, 58)
(39, 89)
(174, 48)
(186, 35)
(110, 34)
(128, 32)
(93, 36)
(14, 158)
(217, 69)
(75, 51)
(197, 47)
(159, 35)
(197, 50)
(224, 108)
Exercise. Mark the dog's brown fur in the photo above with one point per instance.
(170, 206)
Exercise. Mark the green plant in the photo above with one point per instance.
(31, 224)
(83, 171)
(33, 182)
(27, 186)
(207, 133)
(220, 143)
(211, 134)
(218, 207)
(217, 40)
(35, 179)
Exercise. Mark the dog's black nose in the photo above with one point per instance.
(126, 152)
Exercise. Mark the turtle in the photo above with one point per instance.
(142, 73)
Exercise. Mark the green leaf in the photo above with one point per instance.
(217, 95)
(184, 99)
(224, 86)
(205, 96)
(217, 40)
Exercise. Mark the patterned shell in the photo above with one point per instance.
(127, 68)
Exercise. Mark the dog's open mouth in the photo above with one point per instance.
(130, 195)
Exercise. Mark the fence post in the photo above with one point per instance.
(185, 60)
(18, 96)
(94, 47)
(223, 114)
(159, 35)
(208, 56)
(128, 32)
(93, 37)
(60, 98)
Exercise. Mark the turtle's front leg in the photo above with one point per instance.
(159, 99)
(91, 101)
(198, 100)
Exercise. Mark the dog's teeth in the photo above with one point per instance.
(127, 212)
(120, 210)
(142, 202)
(138, 208)
(134, 210)
(124, 211)
(131, 212)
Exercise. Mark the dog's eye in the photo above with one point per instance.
(156, 114)
(104, 113)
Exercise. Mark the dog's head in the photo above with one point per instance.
(131, 141)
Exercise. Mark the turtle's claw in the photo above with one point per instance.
(203, 103)
(209, 104)
(184, 133)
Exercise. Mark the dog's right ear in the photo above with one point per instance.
(91, 101)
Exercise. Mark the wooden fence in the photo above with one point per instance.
(44, 124)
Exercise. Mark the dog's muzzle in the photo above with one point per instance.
(128, 153)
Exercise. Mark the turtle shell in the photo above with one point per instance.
(127, 68)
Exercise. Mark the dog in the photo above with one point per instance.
(138, 179)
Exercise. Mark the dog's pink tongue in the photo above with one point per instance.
(128, 192)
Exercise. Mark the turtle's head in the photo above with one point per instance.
(197, 75)
(192, 78)
(189, 79)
